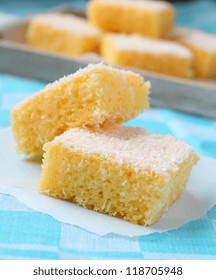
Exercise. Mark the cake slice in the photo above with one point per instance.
(63, 33)
(161, 56)
(203, 47)
(125, 172)
(91, 96)
(149, 18)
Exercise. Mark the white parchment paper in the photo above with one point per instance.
(19, 177)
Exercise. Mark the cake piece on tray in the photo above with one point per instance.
(63, 33)
(203, 47)
(125, 172)
(161, 56)
(91, 96)
(149, 18)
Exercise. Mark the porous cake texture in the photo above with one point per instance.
(203, 47)
(63, 33)
(92, 96)
(149, 18)
(125, 172)
(161, 56)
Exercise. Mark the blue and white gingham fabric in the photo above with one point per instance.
(27, 234)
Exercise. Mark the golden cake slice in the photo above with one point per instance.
(203, 46)
(125, 172)
(63, 33)
(161, 56)
(91, 96)
(149, 18)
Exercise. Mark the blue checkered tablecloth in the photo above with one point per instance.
(27, 234)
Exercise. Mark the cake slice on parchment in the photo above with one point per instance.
(125, 172)
(91, 96)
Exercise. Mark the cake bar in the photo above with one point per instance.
(95, 95)
(125, 172)
(149, 18)
(63, 33)
(203, 47)
(161, 56)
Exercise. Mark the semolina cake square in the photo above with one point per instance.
(63, 33)
(125, 172)
(149, 18)
(92, 96)
(160, 56)
(203, 47)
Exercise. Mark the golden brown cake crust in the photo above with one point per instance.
(153, 18)
(162, 56)
(125, 172)
(91, 96)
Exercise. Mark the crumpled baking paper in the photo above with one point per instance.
(19, 177)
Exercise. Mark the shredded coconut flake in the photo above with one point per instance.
(140, 43)
(140, 4)
(203, 40)
(79, 73)
(83, 71)
(128, 145)
(66, 22)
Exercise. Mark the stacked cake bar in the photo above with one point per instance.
(125, 172)
(90, 158)
(92, 96)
